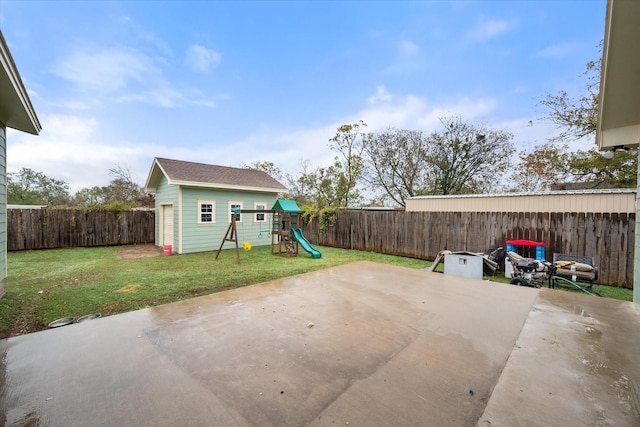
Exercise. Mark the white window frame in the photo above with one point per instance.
(230, 211)
(263, 206)
(213, 211)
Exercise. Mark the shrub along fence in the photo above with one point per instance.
(609, 237)
(61, 228)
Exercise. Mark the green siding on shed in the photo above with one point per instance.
(197, 237)
(189, 236)
(167, 194)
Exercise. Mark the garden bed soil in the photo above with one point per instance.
(140, 251)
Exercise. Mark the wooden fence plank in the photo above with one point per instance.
(630, 233)
(60, 228)
(609, 238)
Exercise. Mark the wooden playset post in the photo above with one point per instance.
(231, 236)
(232, 232)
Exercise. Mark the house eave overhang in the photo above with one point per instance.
(219, 186)
(157, 172)
(151, 185)
(16, 110)
(619, 103)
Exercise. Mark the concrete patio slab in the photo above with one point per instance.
(360, 344)
(576, 363)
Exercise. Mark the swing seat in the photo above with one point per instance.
(246, 246)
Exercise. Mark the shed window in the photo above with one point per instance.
(234, 208)
(260, 217)
(206, 212)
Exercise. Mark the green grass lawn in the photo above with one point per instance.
(43, 286)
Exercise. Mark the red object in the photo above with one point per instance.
(167, 250)
(525, 243)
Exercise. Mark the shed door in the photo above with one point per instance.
(167, 225)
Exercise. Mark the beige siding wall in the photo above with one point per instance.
(611, 202)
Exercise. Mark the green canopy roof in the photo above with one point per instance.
(289, 206)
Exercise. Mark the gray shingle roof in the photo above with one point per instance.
(210, 175)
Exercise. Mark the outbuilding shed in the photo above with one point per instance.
(621, 200)
(195, 203)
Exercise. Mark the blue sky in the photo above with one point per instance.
(226, 82)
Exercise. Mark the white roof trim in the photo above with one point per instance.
(153, 167)
(619, 103)
(17, 112)
(225, 186)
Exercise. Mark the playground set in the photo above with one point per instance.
(286, 237)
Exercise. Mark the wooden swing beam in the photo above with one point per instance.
(232, 232)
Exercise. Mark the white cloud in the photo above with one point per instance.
(202, 59)
(489, 29)
(76, 104)
(70, 149)
(409, 48)
(409, 59)
(133, 72)
(531, 133)
(560, 50)
(147, 37)
(106, 70)
(381, 95)
(76, 149)
(123, 75)
(415, 112)
(286, 147)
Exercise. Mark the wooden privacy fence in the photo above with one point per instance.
(60, 228)
(607, 237)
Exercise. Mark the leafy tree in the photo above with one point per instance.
(123, 188)
(465, 158)
(541, 168)
(551, 166)
(269, 167)
(28, 187)
(122, 191)
(396, 161)
(301, 186)
(332, 186)
(319, 187)
(348, 168)
(93, 196)
(593, 168)
(577, 116)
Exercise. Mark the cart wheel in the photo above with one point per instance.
(519, 281)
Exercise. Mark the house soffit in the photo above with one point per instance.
(619, 108)
(16, 110)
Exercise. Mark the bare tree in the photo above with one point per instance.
(465, 158)
(302, 185)
(576, 116)
(123, 188)
(396, 161)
